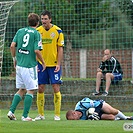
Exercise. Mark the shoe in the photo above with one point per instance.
(56, 118)
(39, 117)
(130, 118)
(117, 118)
(26, 119)
(95, 93)
(105, 94)
(11, 116)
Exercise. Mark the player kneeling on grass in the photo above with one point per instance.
(88, 109)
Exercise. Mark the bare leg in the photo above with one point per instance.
(21, 92)
(98, 80)
(109, 77)
(108, 109)
(107, 117)
(41, 88)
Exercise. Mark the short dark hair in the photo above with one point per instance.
(33, 19)
(46, 12)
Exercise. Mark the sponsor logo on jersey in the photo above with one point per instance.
(52, 34)
(23, 51)
(46, 41)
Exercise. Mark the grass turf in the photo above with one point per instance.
(62, 126)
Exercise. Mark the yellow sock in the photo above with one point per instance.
(40, 103)
(57, 103)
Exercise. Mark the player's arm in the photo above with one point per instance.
(60, 45)
(114, 64)
(39, 56)
(101, 67)
(13, 52)
(60, 55)
(99, 70)
(13, 49)
(59, 58)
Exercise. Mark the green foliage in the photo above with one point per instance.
(122, 36)
(7, 65)
(86, 24)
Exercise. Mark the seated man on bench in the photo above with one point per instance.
(110, 70)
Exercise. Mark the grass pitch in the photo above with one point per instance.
(63, 126)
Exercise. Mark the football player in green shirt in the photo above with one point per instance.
(25, 48)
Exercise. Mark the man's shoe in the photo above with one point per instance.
(39, 117)
(130, 118)
(56, 118)
(131, 81)
(11, 116)
(27, 119)
(105, 94)
(95, 93)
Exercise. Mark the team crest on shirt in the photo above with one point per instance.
(52, 34)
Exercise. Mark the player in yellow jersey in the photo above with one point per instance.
(53, 42)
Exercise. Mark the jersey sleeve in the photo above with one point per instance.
(61, 38)
(102, 65)
(38, 41)
(86, 103)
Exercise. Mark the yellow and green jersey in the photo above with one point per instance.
(50, 40)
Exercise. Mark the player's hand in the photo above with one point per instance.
(57, 68)
(104, 58)
(94, 116)
(44, 67)
(38, 69)
(14, 64)
(99, 70)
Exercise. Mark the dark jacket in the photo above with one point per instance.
(111, 66)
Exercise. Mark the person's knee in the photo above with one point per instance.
(99, 74)
(112, 117)
(30, 92)
(109, 109)
(109, 75)
(21, 92)
(114, 111)
(56, 88)
(41, 88)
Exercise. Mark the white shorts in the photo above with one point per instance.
(26, 78)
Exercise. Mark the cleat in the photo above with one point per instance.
(11, 116)
(95, 93)
(130, 118)
(56, 118)
(39, 117)
(27, 119)
(131, 81)
(105, 94)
